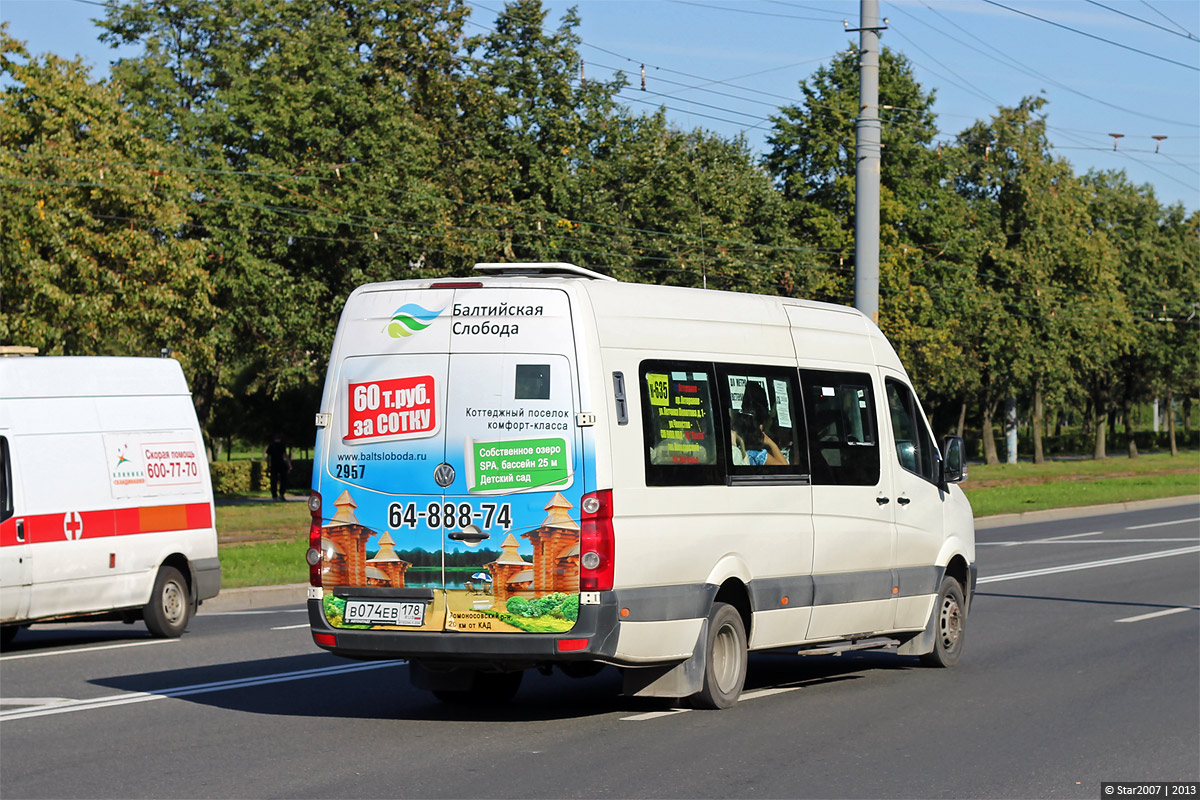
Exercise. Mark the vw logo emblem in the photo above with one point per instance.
(444, 475)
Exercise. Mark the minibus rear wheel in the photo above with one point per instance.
(725, 658)
(949, 624)
(170, 607)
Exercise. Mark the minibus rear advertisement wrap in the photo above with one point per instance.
(451, 486)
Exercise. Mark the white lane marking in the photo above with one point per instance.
(1098, 541)
(1153, 614)
(1108, 562)
(746, 696)
(767, 692)
(1071, 536)
(1042, 541)
(33, 701)
(291, 627)
(185, 691)
(1161, 524)
(16, 656)
(655, 715)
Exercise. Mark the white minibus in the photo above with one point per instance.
(542, 466)
(106, 506)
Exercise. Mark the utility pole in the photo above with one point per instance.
(867, 142)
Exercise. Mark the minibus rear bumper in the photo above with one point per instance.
(593, 638)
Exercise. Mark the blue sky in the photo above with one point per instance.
(728, 65)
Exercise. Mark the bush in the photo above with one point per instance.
(236, 477)
(250, 475)
(555, 604)
(518, 606)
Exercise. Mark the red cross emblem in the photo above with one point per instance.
(73, 525)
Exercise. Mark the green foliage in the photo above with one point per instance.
(257, 160)
(555, 604)
(335, 611)
(547, 624)
(236, 477)
(96, 227)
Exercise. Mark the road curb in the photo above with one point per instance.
(251, 597)
(295, 594)
(1052, 514)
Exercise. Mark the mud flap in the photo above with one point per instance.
(922, 643)
(680, 680)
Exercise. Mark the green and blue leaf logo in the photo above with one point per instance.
(411, 318)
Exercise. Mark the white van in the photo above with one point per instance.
(544, 466)
(106, 507)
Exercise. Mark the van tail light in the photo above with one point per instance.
(313, 556)
(596, 548)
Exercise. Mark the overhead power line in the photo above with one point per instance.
(1168, 19)
(1092, 35)
(1017, 64)
(1144, 21)
(756, 13)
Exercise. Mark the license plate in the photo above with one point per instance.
(384, 612)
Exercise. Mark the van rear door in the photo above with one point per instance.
(16, 567)
(455, 465)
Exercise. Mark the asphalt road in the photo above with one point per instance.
(1082, 665)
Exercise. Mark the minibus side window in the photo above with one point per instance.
(840, 409)
(914, 444)
(762, 412)
(679, 417)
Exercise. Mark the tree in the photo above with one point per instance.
(928, 245)
(1048, 280)
(313, 132)
(1158, 276)
(94, 234)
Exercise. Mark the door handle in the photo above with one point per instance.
(903, 500)
(883, 501)
(20, 530)
(474, 536)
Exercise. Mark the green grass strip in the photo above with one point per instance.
(1073, 493)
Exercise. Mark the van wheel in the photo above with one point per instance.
(487, 688)
(169, 609)
(725, 659)
(949, 625)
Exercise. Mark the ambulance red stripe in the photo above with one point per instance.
(41, 528)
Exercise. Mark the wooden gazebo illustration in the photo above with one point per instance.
(555, 566)
(346, 561)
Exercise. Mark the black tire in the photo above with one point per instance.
(581, 669)
(170, 607)
(487, 688)
(949, 623)
(7, 634)
(725, 659)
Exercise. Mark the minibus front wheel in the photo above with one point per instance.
(949, 624)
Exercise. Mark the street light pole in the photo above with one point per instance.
(867, 158)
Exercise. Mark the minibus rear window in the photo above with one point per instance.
(532, 382)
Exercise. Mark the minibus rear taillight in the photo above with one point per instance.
(313, 556)
(596, 542)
